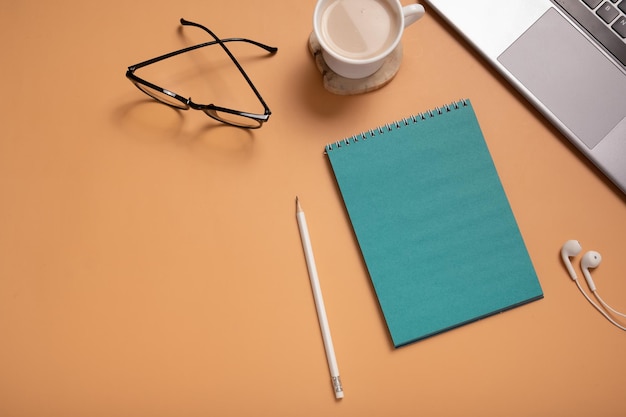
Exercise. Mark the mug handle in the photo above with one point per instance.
(412, 13)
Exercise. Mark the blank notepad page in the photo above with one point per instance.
(433, 222)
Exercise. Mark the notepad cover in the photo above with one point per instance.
(433, 222)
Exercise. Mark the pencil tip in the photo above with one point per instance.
(298, 208)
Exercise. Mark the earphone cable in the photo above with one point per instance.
(607, 306)
(604, 313)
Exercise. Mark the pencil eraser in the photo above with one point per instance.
(338, 394)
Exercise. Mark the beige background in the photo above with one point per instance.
(150, 263)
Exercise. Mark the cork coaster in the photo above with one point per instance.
(346, 86)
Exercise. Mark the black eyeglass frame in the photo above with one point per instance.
(209, 109)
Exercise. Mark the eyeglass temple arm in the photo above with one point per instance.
(232, 57)
(270, 49)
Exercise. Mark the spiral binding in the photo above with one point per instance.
(398, 124)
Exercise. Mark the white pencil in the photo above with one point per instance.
(319, 301)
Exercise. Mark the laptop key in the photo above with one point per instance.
(620, 27)
(602, 33)
(592, 3)
(607, 12)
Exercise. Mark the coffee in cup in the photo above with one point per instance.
(357, 35)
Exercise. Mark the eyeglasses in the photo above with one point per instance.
(225, 115)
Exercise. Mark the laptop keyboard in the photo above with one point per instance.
(605, 20)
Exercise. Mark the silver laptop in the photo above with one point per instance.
(567, 57)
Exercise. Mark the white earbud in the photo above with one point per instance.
(590, 259)
(570, 249)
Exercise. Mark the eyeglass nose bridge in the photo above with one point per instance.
(196, 106)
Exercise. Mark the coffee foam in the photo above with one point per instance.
(359, 29)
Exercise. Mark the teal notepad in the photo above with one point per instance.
(433, 223)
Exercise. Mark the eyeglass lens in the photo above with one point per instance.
(233, 119)
(160, 96)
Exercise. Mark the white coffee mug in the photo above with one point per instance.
(356, 36)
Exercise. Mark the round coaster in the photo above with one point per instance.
(347, 86)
